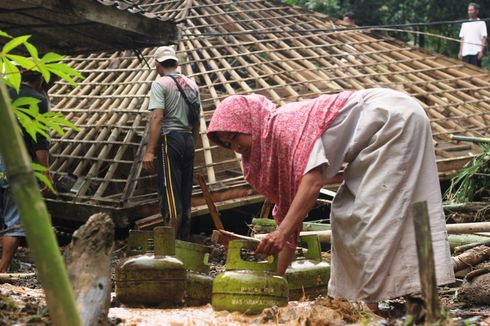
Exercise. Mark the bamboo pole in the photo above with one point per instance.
(459, 228)
(471, 139)
(425, 256)
(467, 228)
(35, 219)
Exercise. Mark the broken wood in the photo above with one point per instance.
(223, 237)
(323, 236)
(209, 201)
(265, 211)
(425, 256)
(470, 258)
(7, 277)
(88, 260)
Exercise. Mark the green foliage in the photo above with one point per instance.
(46, 65)
(392, 12)
(325, 6)
(472, 182)
(27, 108)
(34, 122)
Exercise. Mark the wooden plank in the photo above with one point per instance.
(426, 264)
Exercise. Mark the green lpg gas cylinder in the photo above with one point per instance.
(248, 286)
(308, 276)
(263, 225)
(138, 242)
(198, 285)
(157, 278)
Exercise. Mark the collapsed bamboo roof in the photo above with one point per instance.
(243, 47)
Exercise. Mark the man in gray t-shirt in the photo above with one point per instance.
(172, 140)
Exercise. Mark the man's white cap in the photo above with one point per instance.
(165, 53)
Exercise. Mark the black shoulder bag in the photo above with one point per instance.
(194, 107)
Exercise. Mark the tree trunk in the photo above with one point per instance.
(35, 218)
(88, 260)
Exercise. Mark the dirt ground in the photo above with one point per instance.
(22, 303)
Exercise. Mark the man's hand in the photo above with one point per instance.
(272, 243)
(148, 162)
(480, 55)
(44, 188)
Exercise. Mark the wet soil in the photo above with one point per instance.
(22, 303)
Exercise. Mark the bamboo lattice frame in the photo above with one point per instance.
(220, 50)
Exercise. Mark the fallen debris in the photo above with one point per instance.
(476, 287)
(471, 258)
(88, 260)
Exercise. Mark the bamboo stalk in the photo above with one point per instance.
(468, 228)
(426, 261)
(471, 139)
(35, 219)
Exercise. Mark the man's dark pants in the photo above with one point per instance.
(175, 159)
(472, 59)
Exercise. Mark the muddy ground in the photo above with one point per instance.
(22, 303)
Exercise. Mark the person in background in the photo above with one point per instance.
(32, 85)
(473, 35)
(290, 152)
(172, 140)
(349, 18)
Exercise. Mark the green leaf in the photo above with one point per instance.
(52, 57)
(39, 172)
(44, 71)
(12, 74)
(26, 101)
(22, 61)
(52, 125)
(65, 77)
(15, 43)
(32, 51)
(4, 34)
(63, 122)
(65, 68)
(39, 167)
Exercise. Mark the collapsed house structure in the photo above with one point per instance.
(240, 47)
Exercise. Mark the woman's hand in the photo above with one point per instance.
(272, 243)
(304, 200)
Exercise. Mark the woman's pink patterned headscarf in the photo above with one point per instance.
(282, 139)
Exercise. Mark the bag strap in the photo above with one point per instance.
(181, 91)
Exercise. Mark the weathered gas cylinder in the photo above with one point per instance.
(138, 242)
(155, 279)
(198, 285)
(248, 286)
(263, 225)
(308, 276)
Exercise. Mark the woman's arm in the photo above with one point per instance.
(303, 202)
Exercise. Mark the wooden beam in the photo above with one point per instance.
(151, 27)
(425, 256)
